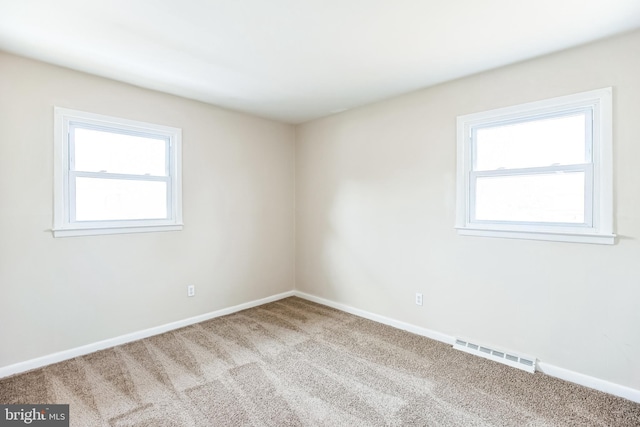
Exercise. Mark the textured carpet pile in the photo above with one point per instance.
(296, 363)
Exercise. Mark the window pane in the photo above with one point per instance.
(116, 199)
(100, 151)
(555, 197)
(558, 140)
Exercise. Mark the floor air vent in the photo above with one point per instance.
(508, 358)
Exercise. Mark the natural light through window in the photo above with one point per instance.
(538, 171)
(111, 199)
(523, 187)
(109, 151)
(119, 176)
(541, 142)
(553, 198)
(115, 175)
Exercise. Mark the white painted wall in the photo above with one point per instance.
(375, 201)
(237, 244)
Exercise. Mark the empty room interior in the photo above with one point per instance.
(321, 213)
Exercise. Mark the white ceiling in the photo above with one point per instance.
(296, 60)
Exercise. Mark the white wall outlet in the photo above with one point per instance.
(418, 299)
(191, 290)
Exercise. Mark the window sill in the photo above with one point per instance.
(74, 232)
(602, 239)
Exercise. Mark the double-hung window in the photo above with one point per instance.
(538, 171)
(115, 175)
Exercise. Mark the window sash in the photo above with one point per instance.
(586, 168)
(587, 111)
(73, 175)
(107, 129)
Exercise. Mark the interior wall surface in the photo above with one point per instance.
(375, 200)
(237, 244)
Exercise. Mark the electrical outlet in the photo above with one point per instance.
(191, 291)
(418, 299)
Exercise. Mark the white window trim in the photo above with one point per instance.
(601, 230)
(62, 224)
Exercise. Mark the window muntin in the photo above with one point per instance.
(115, 175)
(538, 171)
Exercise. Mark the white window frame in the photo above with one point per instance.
(598, 224)
(65, 224)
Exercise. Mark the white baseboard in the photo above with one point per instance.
(134, 336)
(548, 369)
(591, 382)
(380, 319)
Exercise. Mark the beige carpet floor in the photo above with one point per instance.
(296, 363)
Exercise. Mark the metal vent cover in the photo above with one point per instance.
(526, 363)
